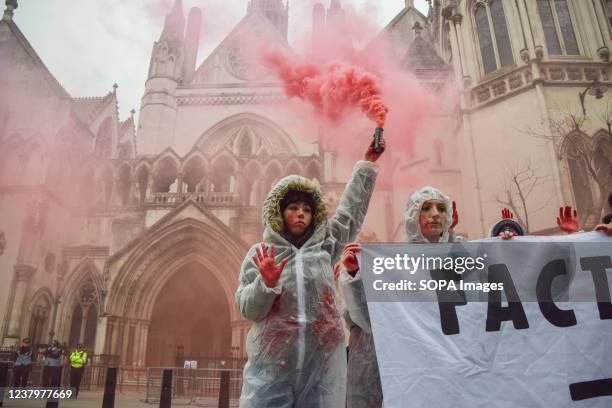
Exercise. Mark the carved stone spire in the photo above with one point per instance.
(11, 5)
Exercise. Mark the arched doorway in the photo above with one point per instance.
(191, 312)
(175, 287)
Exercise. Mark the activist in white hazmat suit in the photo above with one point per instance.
(364, 389)
(296, 346)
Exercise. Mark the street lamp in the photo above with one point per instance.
(596, 89)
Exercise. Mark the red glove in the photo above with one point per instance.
(507, 214)
(566, 222)
(455, 217)
(349, 258)
(372, 155)
(270, 272)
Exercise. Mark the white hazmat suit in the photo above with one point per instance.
(363, 378)
(296, 346)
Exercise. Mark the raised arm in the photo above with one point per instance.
(353, 206)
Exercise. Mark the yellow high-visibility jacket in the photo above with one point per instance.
(78, 359)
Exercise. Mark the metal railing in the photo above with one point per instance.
(191, 385)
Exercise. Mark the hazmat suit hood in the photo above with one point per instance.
(272, 218)
(413, 211)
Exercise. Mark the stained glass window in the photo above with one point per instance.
(484, 37)
(501, 33)
(493, 36)
(558, 28)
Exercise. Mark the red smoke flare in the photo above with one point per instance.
(331, 90)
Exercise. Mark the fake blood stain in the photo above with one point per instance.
(327, 326)
(278, 333)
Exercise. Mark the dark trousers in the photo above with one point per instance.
(21, 374)
(75, 378)
(47, 377)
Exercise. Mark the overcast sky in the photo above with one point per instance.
(90, 44)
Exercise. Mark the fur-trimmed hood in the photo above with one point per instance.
(271, 213)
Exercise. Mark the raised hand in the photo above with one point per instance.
(605, 228)
(507, 214)
(270, 271)
(349, 257)
(455, 217)
(371, 154)
(507, 234)
(567, 222)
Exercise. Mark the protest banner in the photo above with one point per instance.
(525, 323)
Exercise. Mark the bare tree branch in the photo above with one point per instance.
(564, 128)
(520, 183)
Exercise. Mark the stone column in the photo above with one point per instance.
(179, 187)
(134, 195)
(239, 330)
(527, 28)
(108, 338)
(142, 345)
(84, 310)
(452, 34)
(133, 338)
(117, 326)
(150, 182)
(455, 29)
(52, 333)
(23, 274)
(125, 338)
(602, 27)
(100, 340)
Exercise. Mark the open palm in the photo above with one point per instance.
(270, 271)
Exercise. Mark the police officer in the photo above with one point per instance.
(78, 358)
(23, 363)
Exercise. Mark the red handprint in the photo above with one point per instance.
(270, 271)
(566, 222)
(507, 214)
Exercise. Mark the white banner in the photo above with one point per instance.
(551, 346)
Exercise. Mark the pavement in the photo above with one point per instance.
(93, 399)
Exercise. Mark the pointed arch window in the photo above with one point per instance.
(583, 195)
(602, 162)
(39, 322)
(493, 37)
(558, 27)
(84, 317)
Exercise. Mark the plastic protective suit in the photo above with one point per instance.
(364, 389)
(296, 347)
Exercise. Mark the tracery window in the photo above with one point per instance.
(583, 196)
(493, 37)
(558, 28)
(84, 317)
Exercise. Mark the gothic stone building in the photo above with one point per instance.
(131, 239)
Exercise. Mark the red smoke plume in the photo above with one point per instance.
(331, 89)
